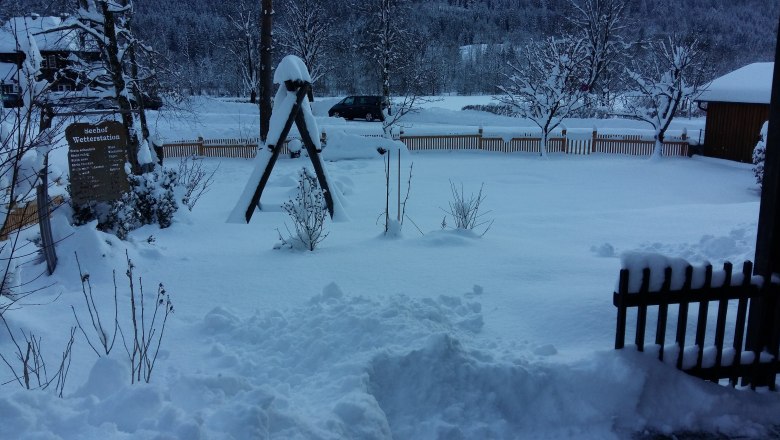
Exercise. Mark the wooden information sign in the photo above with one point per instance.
(96, 159)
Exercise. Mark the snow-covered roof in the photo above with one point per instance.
(46, 41)
(750, 84)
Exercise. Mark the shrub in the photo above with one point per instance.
(193, 180)
(759, 155)
(307, 211)
(150, 200)
(465, 210)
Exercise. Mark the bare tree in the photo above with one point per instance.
(243, 44)
(393, 49)
(663, 83)
(306, 30)
(547, 87)
(602, 25)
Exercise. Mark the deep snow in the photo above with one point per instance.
(440, 334)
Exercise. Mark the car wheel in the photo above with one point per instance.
(369, 117)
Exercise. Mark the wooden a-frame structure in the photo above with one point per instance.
(301, 89)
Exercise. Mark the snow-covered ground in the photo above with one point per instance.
(437, 334)
(224, 118)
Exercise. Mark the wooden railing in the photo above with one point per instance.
(626, 144)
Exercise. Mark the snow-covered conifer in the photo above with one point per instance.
(759, 155)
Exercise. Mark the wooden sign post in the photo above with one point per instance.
(96, 159)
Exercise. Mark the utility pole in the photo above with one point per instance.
(767, 260)
(266, 66)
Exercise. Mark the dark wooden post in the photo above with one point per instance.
(43, 201)
(266, 67)
(767, 259)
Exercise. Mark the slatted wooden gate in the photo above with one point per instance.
(711, 357)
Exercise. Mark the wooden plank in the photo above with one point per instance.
(682, 319)
(701, 325)
(620, 295)
(680, 296)
(720, 326)
(739, 328)
(641, 318)
(663, 310)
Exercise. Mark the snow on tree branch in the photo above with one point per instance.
(549, 85)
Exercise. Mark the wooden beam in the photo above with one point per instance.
(299, 97)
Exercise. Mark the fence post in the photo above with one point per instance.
(565, 142)
(593, 142)
(481, 133)
(201, 150)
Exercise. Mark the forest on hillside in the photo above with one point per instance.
(456, 46)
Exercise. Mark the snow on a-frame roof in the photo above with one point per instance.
(291, 68)
(750, 84)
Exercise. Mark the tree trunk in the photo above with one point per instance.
(543, 144)
(266, 68)
(658, 148)
(117, 77)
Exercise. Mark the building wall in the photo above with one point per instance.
(732, 130)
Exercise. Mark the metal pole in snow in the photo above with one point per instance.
(399, 186)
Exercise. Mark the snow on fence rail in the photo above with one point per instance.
(710, 357)
(562, 142)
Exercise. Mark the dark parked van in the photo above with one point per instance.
(359, 107)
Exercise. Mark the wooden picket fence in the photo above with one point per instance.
(531, 143)
(711, 357)
(228, 148)
(25, 216)
(629, 144)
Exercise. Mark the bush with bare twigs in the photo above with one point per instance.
(465, 210)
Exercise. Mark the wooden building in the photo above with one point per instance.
(737, 105)
(65, 56)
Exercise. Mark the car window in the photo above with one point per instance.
(349, 100)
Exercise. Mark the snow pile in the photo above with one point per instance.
(343, 146)
(345, 366)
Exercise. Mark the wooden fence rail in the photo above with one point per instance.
(711, 357)
(526, 143)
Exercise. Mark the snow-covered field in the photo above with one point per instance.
(437, 334)
(225, 118)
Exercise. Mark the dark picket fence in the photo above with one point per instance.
(715, 358)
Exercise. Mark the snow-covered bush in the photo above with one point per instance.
(759, 155)
(307, 211)
(150, 200)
